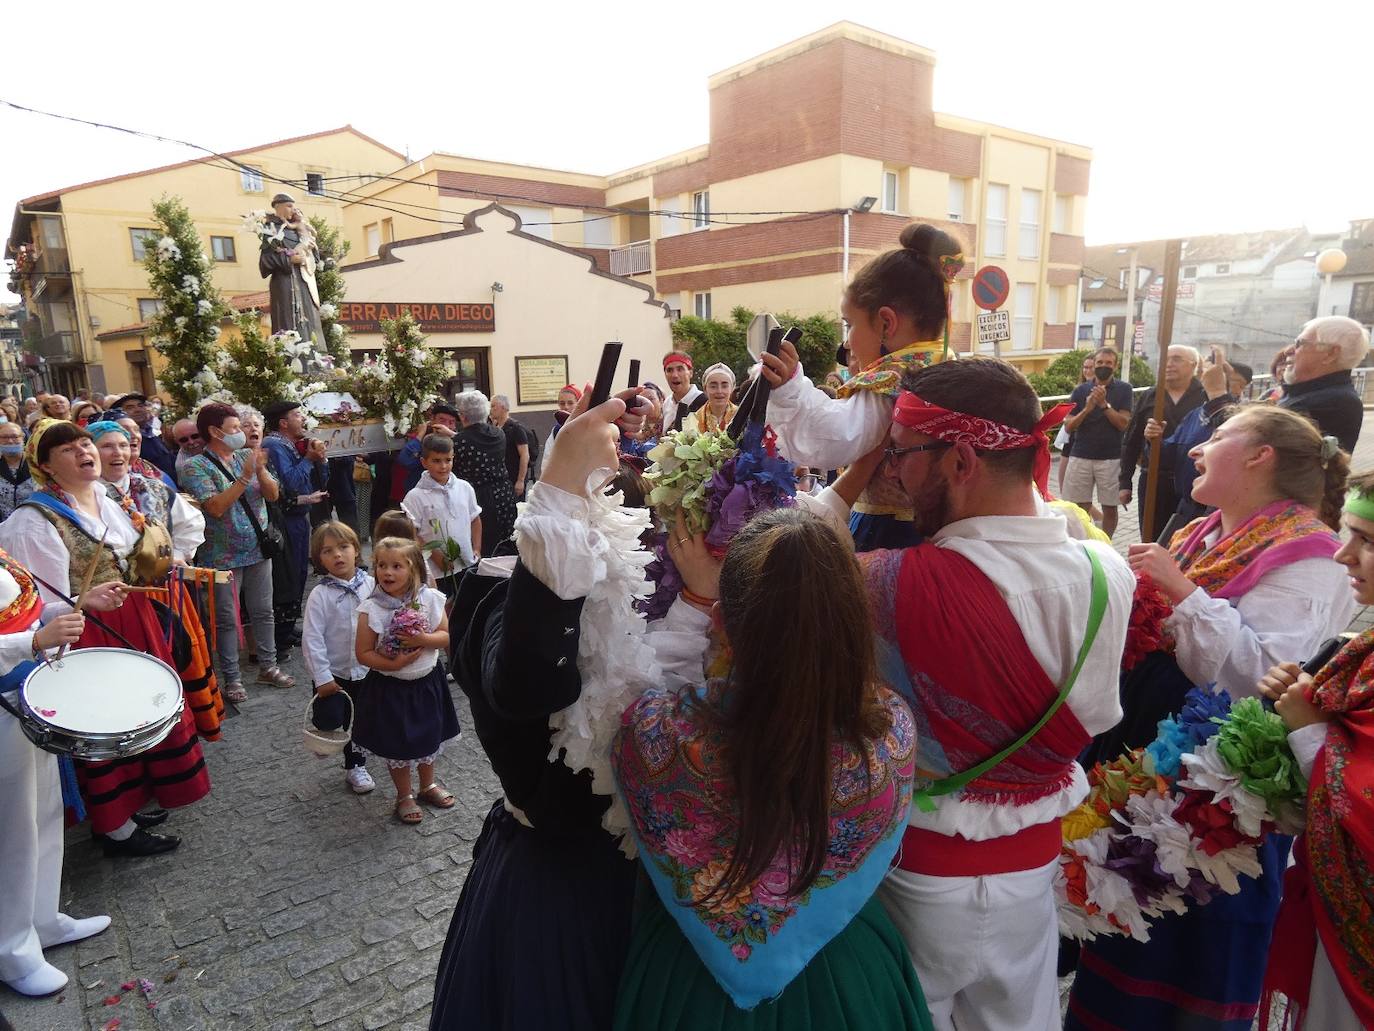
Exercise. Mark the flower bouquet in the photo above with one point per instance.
(1179, 821)
(267, 228)
(404, 621)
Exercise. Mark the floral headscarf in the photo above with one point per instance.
(31, 449)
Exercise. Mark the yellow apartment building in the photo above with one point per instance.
(79, 249)
(834, 139)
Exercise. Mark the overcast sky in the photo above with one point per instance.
(1204, 116)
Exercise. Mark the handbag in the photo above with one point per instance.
(270, 539)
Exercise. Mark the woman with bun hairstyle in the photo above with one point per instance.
(1253, 584)
(895, 314)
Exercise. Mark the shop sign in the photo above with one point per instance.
(433, 316)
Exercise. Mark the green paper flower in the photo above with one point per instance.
(1253, 742)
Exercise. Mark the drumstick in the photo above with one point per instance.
(149, 590)
(86, 583)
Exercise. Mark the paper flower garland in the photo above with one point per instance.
(1178, 821)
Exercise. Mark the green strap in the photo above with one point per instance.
(1096, 610)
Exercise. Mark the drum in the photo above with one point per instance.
(100, 703)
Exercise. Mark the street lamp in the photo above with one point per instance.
(1329, 262)
(1128, 345)
(863, 207)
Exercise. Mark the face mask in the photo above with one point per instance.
(234, 441)
(11, 449)
(1103, 373)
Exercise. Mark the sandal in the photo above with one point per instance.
(236, 694)
(442, 800)
(411, 815)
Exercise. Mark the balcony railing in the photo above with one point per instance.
(58, 347)
(631, 260)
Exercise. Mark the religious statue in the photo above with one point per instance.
(288, 258)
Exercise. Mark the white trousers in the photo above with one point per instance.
(30, 852)
(1327, 1007)
(984, 948)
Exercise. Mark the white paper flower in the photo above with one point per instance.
(1207, 771)
(1151, 816)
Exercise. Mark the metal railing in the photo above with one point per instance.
(632, 259)
(57, 347)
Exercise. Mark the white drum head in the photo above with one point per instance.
(103, 691)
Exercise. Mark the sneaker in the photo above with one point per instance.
(274, 676)
(360, 780)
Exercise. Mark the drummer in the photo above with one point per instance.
(56, 534)
(115, 442)
(31, 796)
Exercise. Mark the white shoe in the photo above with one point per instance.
(46, 980)
(81, 930)
(360, 780)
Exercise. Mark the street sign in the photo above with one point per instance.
(994, 327)
(990, 287)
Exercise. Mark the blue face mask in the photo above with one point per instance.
(11, 449)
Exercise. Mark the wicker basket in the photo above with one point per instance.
(325, 743)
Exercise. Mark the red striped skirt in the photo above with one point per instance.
(173, 774)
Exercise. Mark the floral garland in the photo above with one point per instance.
(185, 330)
(330, 283)
(718, 486)
(1180, 820)
(403, 382)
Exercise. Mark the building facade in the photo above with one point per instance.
(1352, 288)
(78, 251)
(831, 141)
(1249, 293)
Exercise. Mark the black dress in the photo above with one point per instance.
(542, 928)
(479, 456)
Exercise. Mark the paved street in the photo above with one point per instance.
(292, 903)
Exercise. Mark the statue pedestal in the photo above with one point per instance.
(359, 435)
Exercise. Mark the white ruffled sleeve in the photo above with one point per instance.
(188, 528)
(1283, 618)
(824, 432)
(679, 642)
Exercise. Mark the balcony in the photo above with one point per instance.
(632, 259)
(57, 347)
(51, 276)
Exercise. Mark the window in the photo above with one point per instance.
(535, 221)
(387, 234)
(1052, 299)
(958, 199)
(314, 183)
(1063, 213)
(1362, 303)
(1029, 246)
(250, 179)
(701, 209)
(670, 222)
(50, 232)
(1023, 318)
(889, 191)
(222, 248)
(1189, 271)
(1123, 278)
(674, 303)
(1085, 331)
(372, 239)
(148, 307)
(701, 305)
(996, 220)
(140, 238)
(597, 232)
(1223, 268)
(1096, 284)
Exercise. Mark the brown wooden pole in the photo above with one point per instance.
(1173, 255)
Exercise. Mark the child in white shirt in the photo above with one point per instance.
(444, 509)
(327, 637)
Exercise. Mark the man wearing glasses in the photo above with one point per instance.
(188, 442)
(990, 624)
(1318, 382)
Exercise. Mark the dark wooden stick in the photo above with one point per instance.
(1173, 255)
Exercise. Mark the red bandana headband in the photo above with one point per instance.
(981, 434)
(676, 358)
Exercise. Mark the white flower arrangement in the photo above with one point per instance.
(204, 307)
(167, 249)
(191, 284)
(328, 311)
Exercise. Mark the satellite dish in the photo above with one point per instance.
(756, 338)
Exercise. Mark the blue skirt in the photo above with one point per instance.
(403, 719)
(1201, 970)
(541, 930)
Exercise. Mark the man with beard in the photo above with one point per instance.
(1005, 637)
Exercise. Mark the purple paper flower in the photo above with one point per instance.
(1134, 858)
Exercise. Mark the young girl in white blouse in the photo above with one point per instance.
(404, 711)
(327, 637)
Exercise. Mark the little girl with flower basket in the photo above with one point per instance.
(405, 712)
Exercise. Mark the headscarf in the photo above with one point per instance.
(719, 367)
(981, 434)
(104, 426)
(31, 448)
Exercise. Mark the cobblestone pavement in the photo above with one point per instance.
(291, 903)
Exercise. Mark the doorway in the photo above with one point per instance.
(467, 369)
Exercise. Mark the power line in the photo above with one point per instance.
(1147, 299)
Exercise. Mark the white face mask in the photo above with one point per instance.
(234, 441)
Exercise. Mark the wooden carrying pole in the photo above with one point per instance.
(1173, 254)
